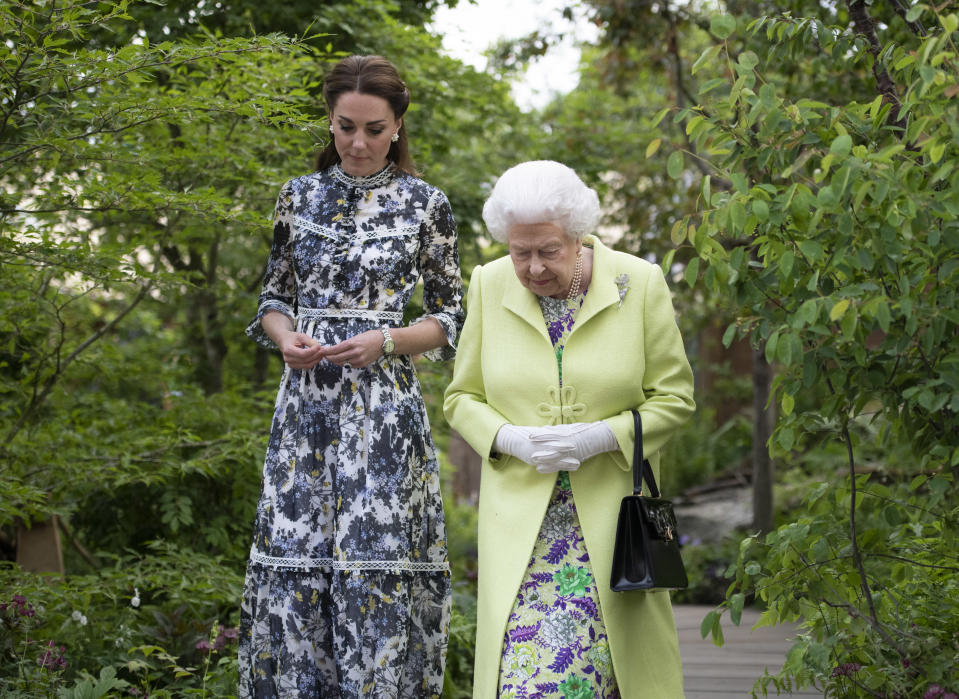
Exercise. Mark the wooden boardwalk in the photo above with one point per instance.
(728, 672)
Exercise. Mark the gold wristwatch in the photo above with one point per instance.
(388, 344)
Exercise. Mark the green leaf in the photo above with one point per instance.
(883, 316)
(653, 147)
(722, 26)
(748, 60)
(761, 209)
(839, 310)
(788, 403)
(729, 335)
(736, 604)
(841, 145)
(692, 272)
(709, 621)
(812, 250)
(678, 232)
(659, 117)
(786, 263)
(674, 165)
(807, 313)
(739, 182)
(936, 152)
(706, 57)
(771, 345)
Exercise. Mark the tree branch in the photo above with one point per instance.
(866, 26)
(39, 397)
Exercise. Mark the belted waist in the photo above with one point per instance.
(365, 313)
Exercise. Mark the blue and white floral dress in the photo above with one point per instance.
(348, 590)
(556, 644)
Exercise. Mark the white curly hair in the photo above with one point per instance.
(541, 191)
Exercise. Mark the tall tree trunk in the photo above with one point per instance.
(763, 420)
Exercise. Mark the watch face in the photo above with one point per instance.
(388, 346)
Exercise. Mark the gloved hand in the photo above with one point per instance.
(549, 454)
(580, 440)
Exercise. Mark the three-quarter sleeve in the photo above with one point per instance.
(440, 267)
(279, 282)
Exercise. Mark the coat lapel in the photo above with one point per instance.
(602, 287)
(602, 293)
(521, 301)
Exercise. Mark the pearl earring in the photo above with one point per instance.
(395, 137)
(331, 127)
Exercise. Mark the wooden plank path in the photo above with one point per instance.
(728, 672)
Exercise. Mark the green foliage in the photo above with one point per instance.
(830, 223)
(699, 453)
(141, 148)
(806, 571)
(166, 619)
(707, 567)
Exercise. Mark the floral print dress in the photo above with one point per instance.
(555, 643)
(347, 591)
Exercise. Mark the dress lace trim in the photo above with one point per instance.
(368, 314)
(389, 233)
(333, 564)
(373, 181)
(327, 232)
(307, 224)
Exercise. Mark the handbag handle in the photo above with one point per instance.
(641, 467)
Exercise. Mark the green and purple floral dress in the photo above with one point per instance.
(556, 644)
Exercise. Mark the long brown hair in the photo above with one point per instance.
(368, 75)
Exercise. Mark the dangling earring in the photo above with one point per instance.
(395, 137)
(331, 127)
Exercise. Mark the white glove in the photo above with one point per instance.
(549, 454)
(582, 440)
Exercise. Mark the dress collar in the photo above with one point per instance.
(378, 179)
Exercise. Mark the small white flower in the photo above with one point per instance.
(135, 602)
(79, 617)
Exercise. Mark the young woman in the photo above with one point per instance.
(348, 591)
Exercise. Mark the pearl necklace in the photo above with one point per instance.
(577, 277)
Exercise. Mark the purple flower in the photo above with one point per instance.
(52, 657)
(846, 669)
(933, 692)
(21, 606)
(203, 646)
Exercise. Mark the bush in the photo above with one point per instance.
(162, 624)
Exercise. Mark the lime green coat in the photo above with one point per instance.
(619, 356)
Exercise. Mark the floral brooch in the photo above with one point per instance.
(622, 283)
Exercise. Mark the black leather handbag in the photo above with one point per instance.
(646, 553)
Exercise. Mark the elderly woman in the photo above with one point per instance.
(563, 339)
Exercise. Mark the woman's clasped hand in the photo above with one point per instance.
(555, 448)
